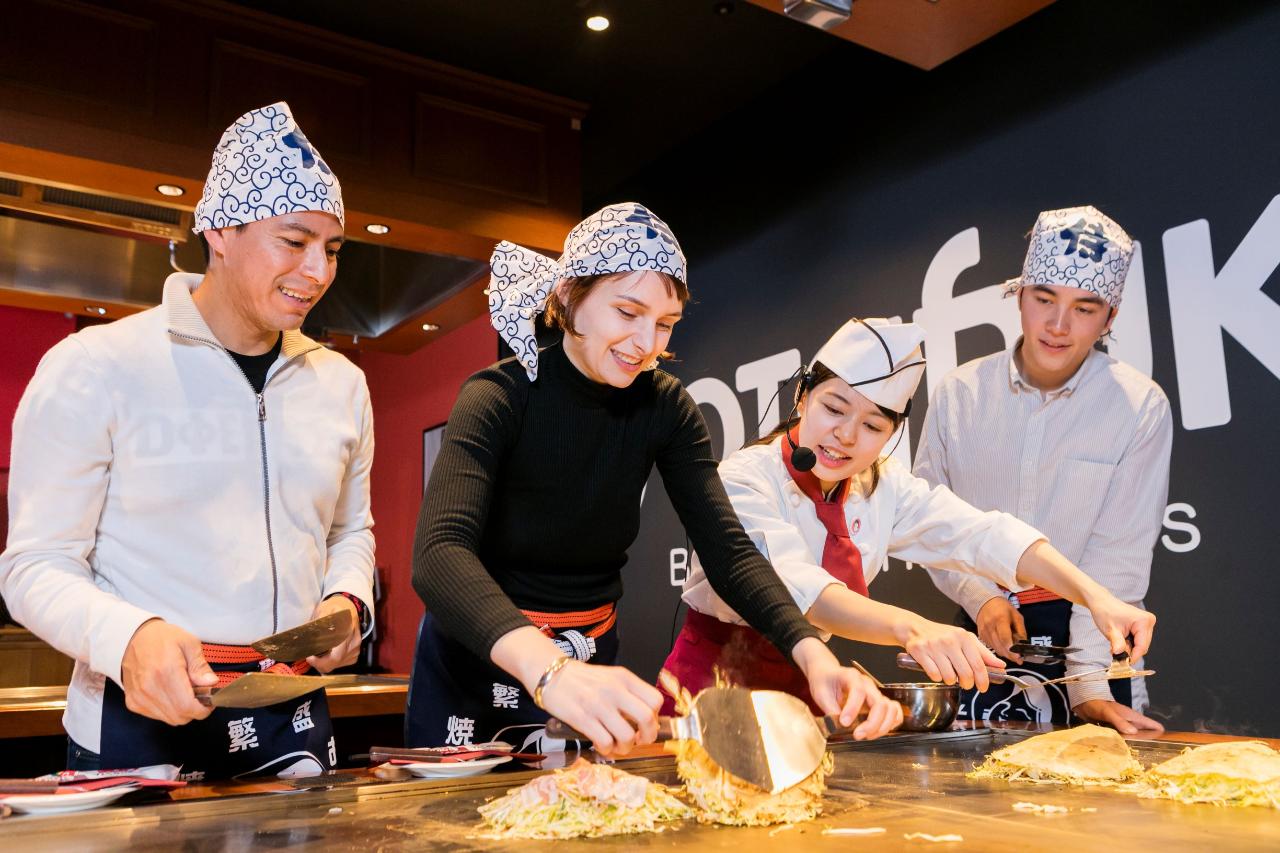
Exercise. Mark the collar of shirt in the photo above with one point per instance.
(1018, 384)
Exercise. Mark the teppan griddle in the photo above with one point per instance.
(905, 784)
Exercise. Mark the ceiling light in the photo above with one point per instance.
(96, 309)
(171, 190)
(597, 23)
(378, 228)
(430, 327)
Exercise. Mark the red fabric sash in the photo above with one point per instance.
(840, 557)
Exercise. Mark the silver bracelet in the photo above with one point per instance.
(547, 674)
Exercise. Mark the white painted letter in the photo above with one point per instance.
(717, 395)
(1132, 328)
(1202, 306)
(1193, 532)
(763, 377)
(679, 566)
(942, 314)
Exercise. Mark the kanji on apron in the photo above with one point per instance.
(295, 735)
(1047, 623)
(456, 697)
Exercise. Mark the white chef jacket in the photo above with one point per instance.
(903, 518)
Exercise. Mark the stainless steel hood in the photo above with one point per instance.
(376, 288)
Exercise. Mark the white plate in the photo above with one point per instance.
(454, 769)
(61, 803)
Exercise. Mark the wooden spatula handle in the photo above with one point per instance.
(562, 731)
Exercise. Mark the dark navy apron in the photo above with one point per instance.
(228, 743)
(1047, 622)
(456, 697)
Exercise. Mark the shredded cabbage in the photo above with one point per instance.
(723, 798)
(1211, 788)
(583, 800)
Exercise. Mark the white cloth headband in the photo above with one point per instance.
(619, 238)
(264, 166)
(1077, 247)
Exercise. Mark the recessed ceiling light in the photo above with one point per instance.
(378, 228)
(96, 309)
(430, 327)
(171, 190)
(597, 23)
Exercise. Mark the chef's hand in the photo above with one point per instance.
(1000, 625)
(949, 654)
(161, 664)
(1120, 717)
(842, 691)
(1117, 620)
(609, 704)
(346, 652)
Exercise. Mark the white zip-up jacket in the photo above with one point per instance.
(149, 480)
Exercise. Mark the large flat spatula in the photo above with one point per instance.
(310, 638)
(765, 737)
(260, 689)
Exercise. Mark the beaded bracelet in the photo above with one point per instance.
(548, 674)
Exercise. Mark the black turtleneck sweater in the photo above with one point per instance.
(535, 498)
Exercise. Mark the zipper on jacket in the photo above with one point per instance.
(260, 398)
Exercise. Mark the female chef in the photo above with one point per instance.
(535, 498)
(828, 510)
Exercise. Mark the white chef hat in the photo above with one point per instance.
(1077, 247)
(882, 360)
(619, 238)
(264, 166)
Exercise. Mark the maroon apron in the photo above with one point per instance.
(741, 653)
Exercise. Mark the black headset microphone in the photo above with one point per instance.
(803, 458)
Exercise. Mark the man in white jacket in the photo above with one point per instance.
(1069, 440)
(196, 476)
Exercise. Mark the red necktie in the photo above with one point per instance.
(840, 557)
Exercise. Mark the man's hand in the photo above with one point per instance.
(161, 665)
(1120, 717)
(1000, 626)
(346, 652)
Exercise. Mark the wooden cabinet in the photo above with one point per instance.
(27, 661)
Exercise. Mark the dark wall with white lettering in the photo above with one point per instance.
(836, 194)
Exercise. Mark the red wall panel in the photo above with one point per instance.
(411, 393)
(25, 336)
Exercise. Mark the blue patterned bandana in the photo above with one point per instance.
(1077, 247)
(619, 238)
(264, 166)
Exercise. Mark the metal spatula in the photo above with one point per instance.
(260, 689)
(311, 638)
(765, 737)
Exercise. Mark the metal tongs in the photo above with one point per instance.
(1120, 668)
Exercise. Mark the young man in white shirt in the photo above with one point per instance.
(1071, 441)
(195, 477)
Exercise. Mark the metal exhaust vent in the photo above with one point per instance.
(93, 210)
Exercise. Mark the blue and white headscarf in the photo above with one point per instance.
(1077, 247)
(619, 238)
(264, 166)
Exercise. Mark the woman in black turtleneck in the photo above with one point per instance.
(535, 498)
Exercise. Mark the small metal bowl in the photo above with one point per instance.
(926, 706)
